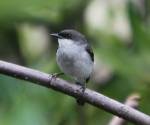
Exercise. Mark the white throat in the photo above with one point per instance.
(65, 42)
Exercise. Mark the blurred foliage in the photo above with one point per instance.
(25, 40)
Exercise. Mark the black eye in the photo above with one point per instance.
(65, 35)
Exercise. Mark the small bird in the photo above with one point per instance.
(75, 56)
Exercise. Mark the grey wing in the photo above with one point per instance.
(90, 52)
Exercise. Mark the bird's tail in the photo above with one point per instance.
(80, 101)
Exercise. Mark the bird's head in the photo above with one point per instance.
(69, 34)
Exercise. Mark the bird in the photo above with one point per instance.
(74, 57)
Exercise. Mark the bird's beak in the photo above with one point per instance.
(55, 35)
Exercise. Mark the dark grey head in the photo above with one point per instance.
(70, 34)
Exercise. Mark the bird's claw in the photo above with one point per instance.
(54, 76)
(82, 88)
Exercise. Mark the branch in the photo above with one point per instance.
(91, 97)
(132, 101)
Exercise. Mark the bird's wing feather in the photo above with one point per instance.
(90, 52)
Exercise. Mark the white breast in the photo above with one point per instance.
(74, 60)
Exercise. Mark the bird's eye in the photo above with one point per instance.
(65, 35)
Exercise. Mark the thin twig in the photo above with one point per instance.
(132, 101)
(91, 97)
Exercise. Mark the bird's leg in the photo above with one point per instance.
(55, 75)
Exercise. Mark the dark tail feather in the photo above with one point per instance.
(80, 102)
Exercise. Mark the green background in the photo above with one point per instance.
(123, 60)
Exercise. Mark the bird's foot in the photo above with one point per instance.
(80, 100)
(55, 75)
(82, 86)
